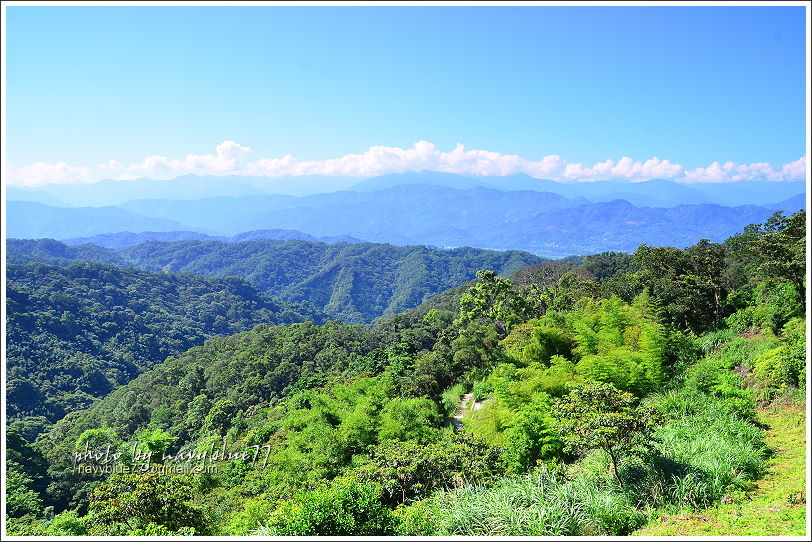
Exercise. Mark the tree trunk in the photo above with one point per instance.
(614, 466)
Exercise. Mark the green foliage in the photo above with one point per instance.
(530, 439)
(30, 472)
(219, 417)
(408, 471)
(338, 510)
(76, 333)
(541, 503)
(686, 286)
(607, 264)
(356, 418)
(20, 498)
(421, 518)
(492, 300)
(68, 523)
(785, 365)
(353, 282)
(156, 442)
(410, 419)
(252, 515)
(451, 398)
(138, 500)
(598, 415)
(706, 451)
(773, 250)
(620, 344)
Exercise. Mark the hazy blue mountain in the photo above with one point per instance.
(416, 214)
(434, 178)
(652, 193)
(402, 214)
(521, 181)
(750, 192)
(656, 192)
(289, 235)
(124, 239)
(540, 222)
(618, 225)
(109, 192)
(790, 205)
(15, 193)
(301, 186)
(28, 220)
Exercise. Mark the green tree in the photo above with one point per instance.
(596, 415)
(156, 442)
(20, 498)
(492, 299)
(137, 500)
(775, 249)
(343, 509)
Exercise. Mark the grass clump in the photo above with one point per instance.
(541, 503)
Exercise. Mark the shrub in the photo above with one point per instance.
(451, 398)
(67, 523)
(421, 518)
(342, 509)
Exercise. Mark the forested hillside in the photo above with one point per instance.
(355, 282)
(572, 399)
(75, 333)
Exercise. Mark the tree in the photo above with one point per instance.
(156, 442)
(684, 284)
(596, 415)
(775, 249)
(607, 264)
(492, 299)
(408, 471)
(20, 498)
(342, 509)
(140, 499)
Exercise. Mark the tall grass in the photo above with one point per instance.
(706, 450)
(451, 398)
(541, 503)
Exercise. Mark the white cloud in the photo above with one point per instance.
(731, 172)
(231, 158)
(42, 173)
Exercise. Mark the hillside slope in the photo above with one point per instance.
(355, 282)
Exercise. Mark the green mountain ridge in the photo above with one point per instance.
(354, 282)
(75, 333)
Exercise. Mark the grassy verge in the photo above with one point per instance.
(776, 506)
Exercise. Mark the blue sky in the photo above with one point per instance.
(692, 85)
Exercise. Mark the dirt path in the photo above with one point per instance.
(462, 410)
(775, 507)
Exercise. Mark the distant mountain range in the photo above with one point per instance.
(652, 193)
(126, 239)
(422, 213)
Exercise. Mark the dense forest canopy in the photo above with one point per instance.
(354, 282)
(75, 333)
(571, 398)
